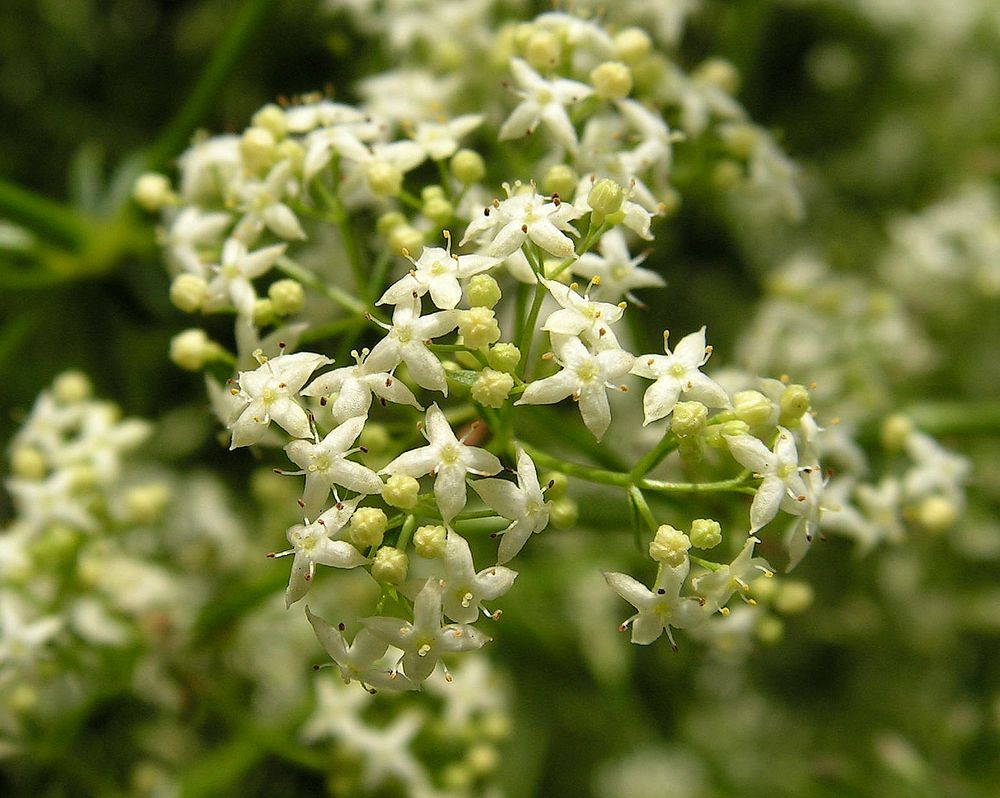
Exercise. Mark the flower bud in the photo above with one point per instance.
(483, 291)
(559, 485)
(390, 566)
(478, 327)
(741, 141)
(438, 210)
(192, 349)
(271, 118)
(752, 407)
(542, 50)
(71, 387)
(718, 72)
(258, 148)
(611, 80)
(504, 357)
(368, 525)
(492, 388)
(290, 150)
(727, 175)
(605, 198)
(936, 514)
(896, 429)
(188, 292)
(401, 491)
(430, 541)
(560, 179)
(384, 179)
(564, 513)
(152, 191)
(770, 629)
(26, 462)
(705, 533)
(716, 434)
(145, 503)
(793, 597)
(388, 222)
(688, 419)
(632, 45)
(669, 546)
(405, 237)
(468, 167)
(794, 404)
(263, 312)
(482, 759)
(287, 296)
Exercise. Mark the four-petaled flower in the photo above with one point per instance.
(543, 101)
(523, 505)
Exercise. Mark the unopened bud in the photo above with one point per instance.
(401, 491)
(504, 357)
(388, 222)
(794, 404)
(715, 434)
(468, 167)
(430, 541)
(272, 118)
(896, 430)
(258, 148)
(937, 514)
(560, 179)
(564, 513)
(192, 349)
(718, 72)
(188, 292)
(752, 407)
(669, 546)
(611, 80)
(632, 45)
(542, 50)
(263, 312)
(688, 419)
(152, 191)
(145, 503)
(405, 237)
(705, 533)
(559, 484)
(384, 179)
(390, 566)
(483, 291)
(478, 327)
(438, 210)
(492, 388)
(71, 387)
(368, 525)
(287, 296)
(793, 596)
(26, 462)
(605, 198)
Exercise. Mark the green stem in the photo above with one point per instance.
(642, 507)
(406, 533)
(653, 457)
(340, 218)
(306, 277)
(528, 331)
(43, 216)
(956, 418)
(250, 22)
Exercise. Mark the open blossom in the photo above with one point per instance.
(437, 272)
(586, 377)
(719, 586)
(465, 590)
(263, 207)
(449, 459)
(505, 225)
(678, 373)
(618, 272)
(317, 544)
(355, 385)
(782, 487)
(268, 393)
(579, 314)
(426, 639)
(439, 140)
(522, 504)
(407, 341)
(543, 101)
(235, 273)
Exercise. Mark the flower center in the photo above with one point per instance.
(449, 454)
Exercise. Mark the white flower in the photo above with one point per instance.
(505, 226)
(262, 206)
(440, 139)
(407, 341)
(718, 586)
(438, 272)
(782, 486)
(661, 608)
(387, 755)
(935, 469)
(449, 459)
(678, 373)
(316, 544)
(587, 378)
(54, 498)
(238, 267)
(579, 315)
(191, 232)
(543, 101)
(22, 638)
(617, 270)
(344, 138)
(325, 464)
(268, 393)
(523, 505)
(309, 116)
(354, 386)
(636, 217)
(464, 589)
(426, 640)
(359, 661)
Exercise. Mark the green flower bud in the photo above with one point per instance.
(482, 759)
(564, 513)
(390, 566)
(611, 80)
(258, 149)
(752, 407)
(388, 222)
(291, 151)
(384, 179)
(430, 541)
(742, 141)
(715, 434)
(705, 533)
(263, 312)
(272, 118)
(542, 50)
(936, 514)
(71, 387)
(492, 388)
(468, 167)
(727, 175)
(718, 72)
(483, 291)
(504, 357)
(405, 239)
(794, 404)
(896, 429)
(401, 491)
(188, 292)
(368, 525)
(770, 629)
(438, 210)
(192, 349)
(431, 192)
(478, 327)
(560, 179)
(152, 191)
(632, 45)
(559, 483)
(793, 597)
(145, 503)
(688, 419)
(669, 546)
(605, 198)
(26, 462)
(287, 296)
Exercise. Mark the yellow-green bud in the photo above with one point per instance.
(482, 759)
(368, 525)
(401, 491)
(188, 292)
(560, 179)
(192, 349)
(742, 141)
(559, 483)
(405, 237)
(688, 419)
(468, 167)
(492, 388)
(430, 541)
(152, 191)
(727, 175)
(715, 434)
(611, 80)
(384, 179)
(483, 291)
(438, 210)
(258, 148)
(936, 514)
(375, 438)
(71, 387)
(263, 312)
(26, 462)
(542, 50)
(272, 118)
(794, 404)
(433, 191)
(669, 546)
(563, 513)
(719, 72)
(632, 45)
(290, 150)
(605, 198)
(478, 327)
(23, 698)
(896, 429)
(504, 357)
(752, 407)
(145, 503)
(705, 533)
(286, 296)
(770, 629)
(390, 566)
(793, 597)
(388, 222)
(457, 777)
(495, 726)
